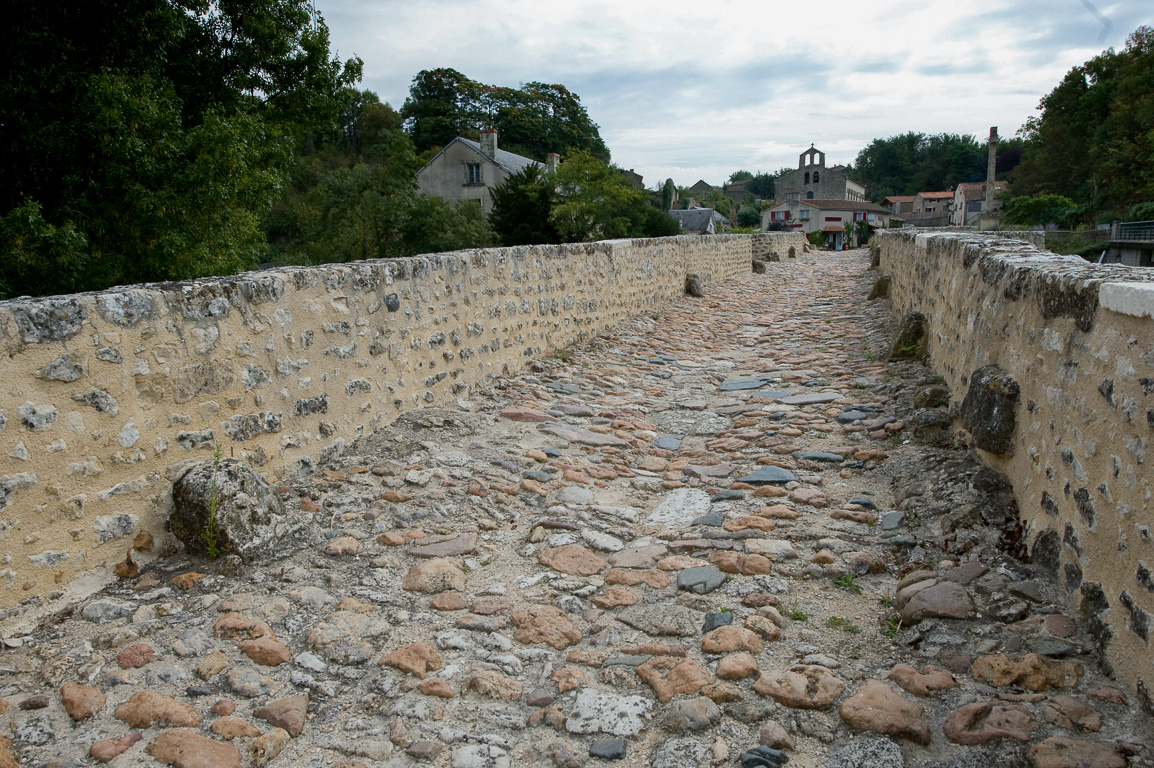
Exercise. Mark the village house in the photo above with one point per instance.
(469, 170)
(813, 181)
(970, 202)
(828, 216)
(899, 205)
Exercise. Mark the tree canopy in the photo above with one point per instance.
(143, 140)
(584, 200)
(916, 162)
(533, 120)
(1093, 141)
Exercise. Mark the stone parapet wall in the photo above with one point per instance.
(1075, 341)
(108, 397)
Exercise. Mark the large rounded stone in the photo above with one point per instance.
(985, 721)
(573, 559)
(802, 686)
(879, 708)
(248, 520)
(433, 576)
(187, 749)
(943, 600)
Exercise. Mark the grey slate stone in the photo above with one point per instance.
(702, 580)
(812, 398)
(769, 474)
(735, 385)
(833, 458)
(668, 442)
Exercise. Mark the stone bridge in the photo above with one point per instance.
(537, 506)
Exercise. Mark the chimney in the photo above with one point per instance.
(552, 160)
(991, 167)
(488, 143)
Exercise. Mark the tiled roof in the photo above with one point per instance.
(934, 195)
(900, 198)
(841, 205)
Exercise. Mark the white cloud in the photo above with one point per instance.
(692, 90)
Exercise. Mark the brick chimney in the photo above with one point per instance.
(552, 160)
(488, 143)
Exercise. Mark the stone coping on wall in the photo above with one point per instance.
(108, 397)
(1050, 362)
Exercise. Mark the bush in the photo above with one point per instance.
(816, 239)
(1141, 212)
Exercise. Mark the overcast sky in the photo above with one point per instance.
(699, 90)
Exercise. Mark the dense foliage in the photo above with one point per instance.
(915, 162)
(532, 120)
(585, 200)
(143, 140)
(353, 195)
(1093, 141)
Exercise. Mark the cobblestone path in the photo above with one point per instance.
(727, 533)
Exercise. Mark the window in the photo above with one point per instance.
(804, 214)
(808, 195)
(815, 177)
(807, 177)
(473, 173)
(836, 219)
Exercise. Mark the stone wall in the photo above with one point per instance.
(108, 397)
(1051, 363)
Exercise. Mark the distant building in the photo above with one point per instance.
(737, 190)
(469, 170)
(900, 205)
(931, 209)
(636, 179)
(813, 181)
(829, 216)
(970, 202)
(701, 221)
(700, 189)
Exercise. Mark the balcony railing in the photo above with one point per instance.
(1133, 231)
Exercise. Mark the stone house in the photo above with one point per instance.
(700, 189)
(969, 202)
(829, 216)
(813, 181)
(900, 205)
(737, 191)
(469, 170)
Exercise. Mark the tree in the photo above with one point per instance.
(667, 193)
(143, 140)
(1093, 141)
(739, 176)
(533, 120)
(748, 216)
(762, 185)
(1040, 209)
(594, 200)
(522, 208)
(914, 162)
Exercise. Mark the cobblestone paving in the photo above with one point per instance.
(728, 533)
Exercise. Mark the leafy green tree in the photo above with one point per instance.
(1141, 212)
(915, 162)
(748, 216)
(594, 200)
(533, 120)
(143, 140)
(1093, 141)
(739, 176)
(522, 208)
(762, 185)
(1041, 209)
(667, 193)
